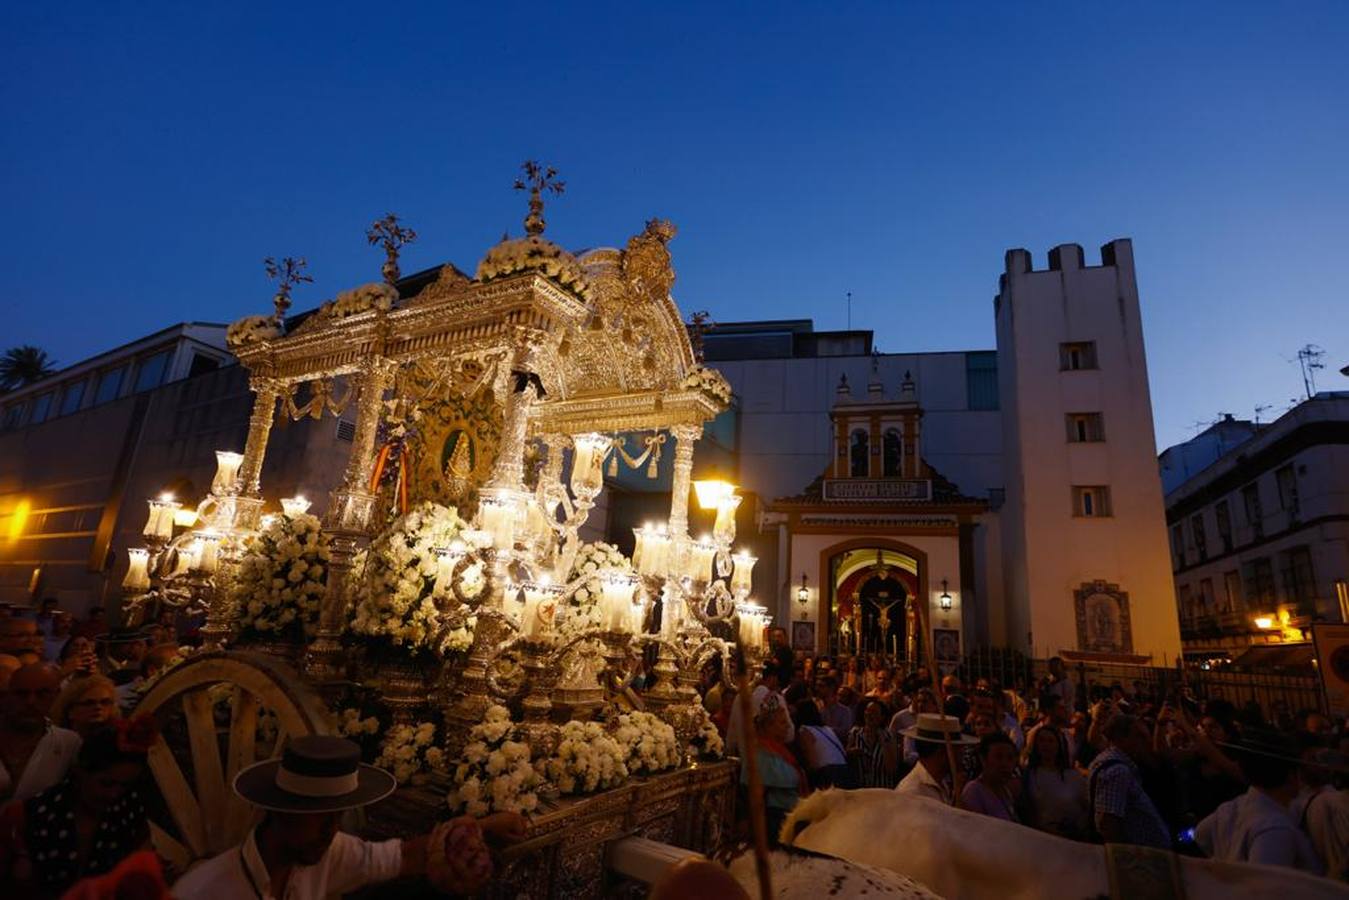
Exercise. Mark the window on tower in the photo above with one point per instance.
(1076, 355)
(893, 453)
(1091, 501)
(1085, 428)
(860, 457)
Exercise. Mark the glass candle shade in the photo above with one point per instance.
(587, 464)
(294, 506)
(162, 511)
(699, 567)
(446, 559)
(536, 618)
(137, 571)
(723, 532)
(742, 574)
(227, 464)
(639, 537)
(497, 514)
(616, 593)
(206, 553)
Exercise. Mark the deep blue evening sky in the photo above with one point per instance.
(152, 154)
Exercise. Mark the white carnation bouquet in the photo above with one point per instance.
(411, 753)
(281, 580)
(494, 774)
(396, 580)
(582, 611)
(650, 743)
(587, 759)
(706, 740)
(251, 329)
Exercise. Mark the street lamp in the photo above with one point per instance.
(945, 598)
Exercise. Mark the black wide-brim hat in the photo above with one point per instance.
(315, 774)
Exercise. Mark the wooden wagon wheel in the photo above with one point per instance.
(216, 698)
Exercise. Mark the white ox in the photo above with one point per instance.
(964, 856)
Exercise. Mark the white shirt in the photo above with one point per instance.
(49, 763)
(735, 727)
(823, 749)
(239, 874)
(920, 781)
(1256, 828)
(1324, 815)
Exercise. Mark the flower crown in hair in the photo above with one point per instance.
(137, 734)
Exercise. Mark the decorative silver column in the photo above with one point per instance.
(682, 479)
(348, 520)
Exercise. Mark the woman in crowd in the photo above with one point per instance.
(85, 704)
(77, 659)
(822, 752)
(1054, 794)
(86, 823)
(873, 752)
(981, 725)
(994, 792)
(784, 781)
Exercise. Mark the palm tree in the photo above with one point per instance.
(23, 365)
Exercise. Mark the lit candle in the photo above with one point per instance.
(616, 591)
(587, 465)
(207, 553)
(741, 576)
(137, 570)
(446, 559)
(670, 612)
(227, 465)
(162, 511)
(639, 555)
(723, 532)
(658, 547)
(496, 516)
(294, 506)
(700, 559)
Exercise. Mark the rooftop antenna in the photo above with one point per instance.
(1259, 410)
(1309, 358)
(850, 310)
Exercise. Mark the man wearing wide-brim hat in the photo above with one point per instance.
(931, 775)
(297, 853)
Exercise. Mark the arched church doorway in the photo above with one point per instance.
(872, 592)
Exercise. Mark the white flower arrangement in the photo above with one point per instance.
(709, 382)
(587, 759)
(582, 611)
(534, 254)
(410, 753)
(650, 743)
(250, 330)
(396, 580)
(706, 741)
(350, 724)
(376, 295)
(494, 774)
(282, 577)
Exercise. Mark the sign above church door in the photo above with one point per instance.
(853, 489)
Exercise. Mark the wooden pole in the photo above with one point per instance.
(757, 819)
(923, 622)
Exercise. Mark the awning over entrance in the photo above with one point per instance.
(1276, 656)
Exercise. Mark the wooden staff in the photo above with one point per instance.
(923, 622)
(757, 818)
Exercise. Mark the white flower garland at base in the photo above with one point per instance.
(587, 759)
(494, 773)
(410, 753)
(650, 743)
(282, 577)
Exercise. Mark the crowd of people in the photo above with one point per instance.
(77, 799)
(1131, 764)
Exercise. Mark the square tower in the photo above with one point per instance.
(1085, 557)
